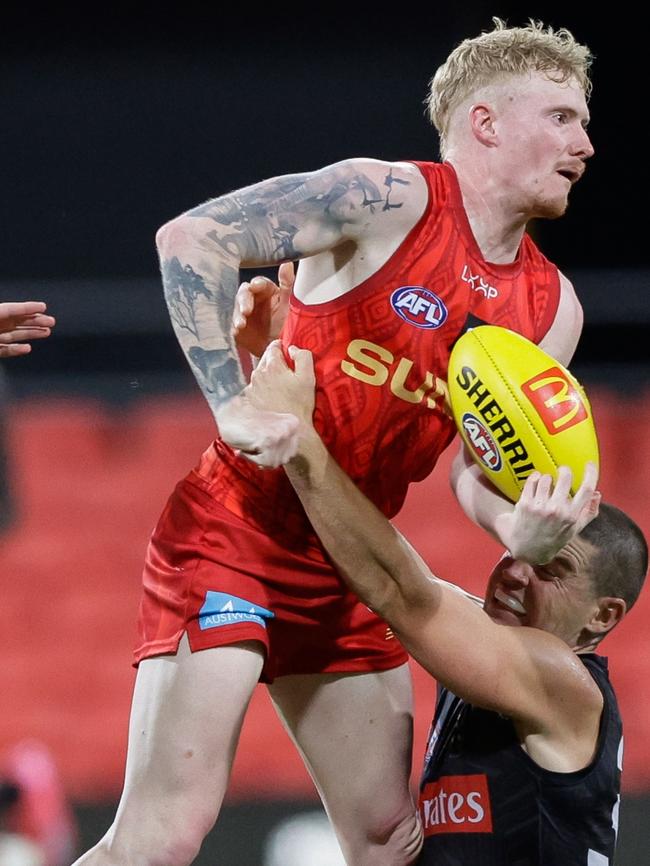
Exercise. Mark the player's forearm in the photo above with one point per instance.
(200, 292)
(376, 562)
(480, 500)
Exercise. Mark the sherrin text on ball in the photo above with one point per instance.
(518, 410)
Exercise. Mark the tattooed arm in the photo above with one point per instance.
(278, 220)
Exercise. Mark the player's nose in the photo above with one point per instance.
(515, 573)
(582, 146)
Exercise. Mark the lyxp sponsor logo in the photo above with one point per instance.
(481, 441)
(478, 284)
(456, 804)
(220, 608)
(556, 400)
(419, 306)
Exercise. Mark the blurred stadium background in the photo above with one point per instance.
(108, 131)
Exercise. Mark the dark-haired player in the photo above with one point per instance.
(525, 752)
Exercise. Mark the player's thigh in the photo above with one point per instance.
(185, 722)
(355, 732)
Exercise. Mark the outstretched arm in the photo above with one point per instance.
(512, 670)
(380, 565)
(276, 221)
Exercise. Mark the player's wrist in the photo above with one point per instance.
(310, 445)
(227, 407)
(528, 545)
(503, 530)
(308, 464)
(520, 543)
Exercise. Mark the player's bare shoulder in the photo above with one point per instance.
(559, 715)
(385, 197)
(562, 337)
(374, 205)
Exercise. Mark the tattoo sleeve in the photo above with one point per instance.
(278, 220)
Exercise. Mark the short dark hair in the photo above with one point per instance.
(619, 567)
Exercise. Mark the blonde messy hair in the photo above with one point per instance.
(505, 50)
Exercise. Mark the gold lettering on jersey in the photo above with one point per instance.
(375, 372)
(375, 365)
(398, 383)
(441, 391)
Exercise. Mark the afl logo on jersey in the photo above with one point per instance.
(481, 441)
(419, 306)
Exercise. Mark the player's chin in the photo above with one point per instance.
(552, 208)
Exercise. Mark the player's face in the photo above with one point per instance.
(543, 143)
(557, 597)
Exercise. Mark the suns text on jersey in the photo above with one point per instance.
(375, 365)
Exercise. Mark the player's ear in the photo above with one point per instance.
(481, 121)
(609, 613)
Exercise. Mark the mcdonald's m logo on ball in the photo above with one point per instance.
(556, 399)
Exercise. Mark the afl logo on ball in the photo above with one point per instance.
(481, 441)
(419, 307)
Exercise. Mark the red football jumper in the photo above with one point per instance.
(233, 556)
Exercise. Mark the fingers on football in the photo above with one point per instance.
(587, 499)
(562, 489)
(588, 485)
(544, 487)
(530, 487)
(588, 511)
(591, 474)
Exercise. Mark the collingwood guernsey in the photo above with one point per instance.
(484, 801)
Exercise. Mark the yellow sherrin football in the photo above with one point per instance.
(518, 410)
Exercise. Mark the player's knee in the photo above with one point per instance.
(397, 843)
(172, 840)
(180, 850)
(170, 850)
(178, 841)
(408, 838)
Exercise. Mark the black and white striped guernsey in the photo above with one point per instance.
(485, 802)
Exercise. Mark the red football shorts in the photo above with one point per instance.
(213, 575)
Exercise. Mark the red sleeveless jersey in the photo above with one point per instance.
(381, 353)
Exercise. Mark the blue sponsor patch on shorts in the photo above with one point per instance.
(220, 608)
